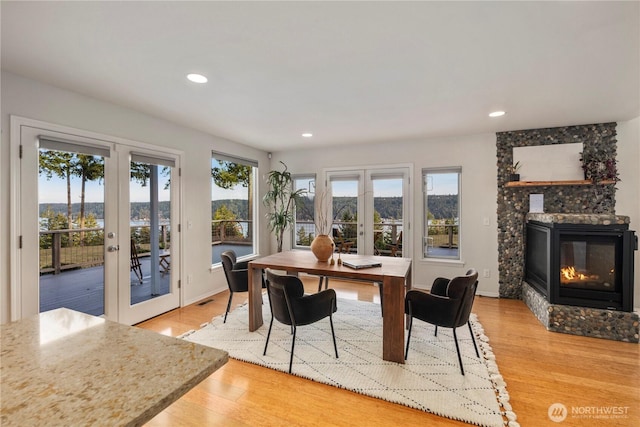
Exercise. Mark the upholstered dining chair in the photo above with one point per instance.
(290, 306)
(237, 275)
(448, 305)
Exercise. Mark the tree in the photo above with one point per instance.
(60, 164)
(53, 221)
(228, 219)
(229, 174)
(88, 168)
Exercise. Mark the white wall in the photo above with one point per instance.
(34, 100)
(477, 157)
(475, 154)
(628, 194)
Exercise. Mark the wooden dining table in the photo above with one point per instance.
(394, 274)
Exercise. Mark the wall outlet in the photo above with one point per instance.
(486, 273)
(486, 221)
(189, 278)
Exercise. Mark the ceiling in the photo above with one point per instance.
(348, 72)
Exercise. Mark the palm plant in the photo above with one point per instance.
(280, 201)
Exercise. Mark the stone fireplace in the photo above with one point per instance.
(581, 260)
(560, 198)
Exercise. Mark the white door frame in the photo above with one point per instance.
(23, 304)
(365, 174)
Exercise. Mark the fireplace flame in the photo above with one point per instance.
(570, 274)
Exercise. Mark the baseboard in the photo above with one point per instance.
(203, 296)
(488, 294)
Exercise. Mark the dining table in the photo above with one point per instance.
(66, 368)
(393, 274)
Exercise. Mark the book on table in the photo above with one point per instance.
(362, 263)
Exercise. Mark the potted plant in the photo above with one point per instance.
(513, 171)
(599, 166)
(280, 201)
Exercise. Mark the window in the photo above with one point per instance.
(304, 228)
(441, 188)
(232, 205)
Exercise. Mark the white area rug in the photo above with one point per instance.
(429, 381)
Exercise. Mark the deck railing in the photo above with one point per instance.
(81, 248)
(387, 234)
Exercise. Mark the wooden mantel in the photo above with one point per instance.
(554, 183)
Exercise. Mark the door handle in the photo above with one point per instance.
(113, 248)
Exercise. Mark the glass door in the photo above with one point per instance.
(386, 207)
(103, 236)
(151, 248)
(368, 211)
(346, 189)
(71, 222)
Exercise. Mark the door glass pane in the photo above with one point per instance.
(344, 194)
(150, 225)
(387, 216)
(304, 227)
(71, 247)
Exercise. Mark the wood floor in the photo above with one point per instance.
(591, 377)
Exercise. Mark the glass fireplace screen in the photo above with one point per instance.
(587, 264)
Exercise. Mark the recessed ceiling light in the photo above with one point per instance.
(307, 135)
(197, 78)
(497, 114)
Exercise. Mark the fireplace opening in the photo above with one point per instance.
(581, 264)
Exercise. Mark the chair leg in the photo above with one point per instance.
(333, 334)
(436, 333)
(293, 344)
(381, 299)
(268, 335)
(321, 280)
(406, 353)
(228, 307)
(455, 338)
(473, 339)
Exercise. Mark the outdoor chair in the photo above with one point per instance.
(237, 275)
(290, 306)
(135, 265)
(448, 305)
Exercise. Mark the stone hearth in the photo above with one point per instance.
(588, 322)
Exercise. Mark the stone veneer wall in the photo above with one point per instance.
(513, 202)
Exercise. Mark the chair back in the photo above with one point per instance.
(282, 291)
(463, 288)
(234, 281)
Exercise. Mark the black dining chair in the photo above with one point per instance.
(237, 275)
(448, 305)
(290, 306)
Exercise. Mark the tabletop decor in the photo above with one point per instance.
(322, 245)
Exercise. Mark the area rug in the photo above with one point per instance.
(430, 380)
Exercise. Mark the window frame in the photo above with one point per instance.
(252, 211)
(425, 210)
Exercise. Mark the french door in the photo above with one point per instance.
(370, 210)
(97, 223)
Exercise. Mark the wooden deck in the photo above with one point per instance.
(83, 289)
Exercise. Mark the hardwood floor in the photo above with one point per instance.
(591, 377)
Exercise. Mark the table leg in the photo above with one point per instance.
(255, 298)
(393, 320)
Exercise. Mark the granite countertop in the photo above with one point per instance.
(68, 368)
